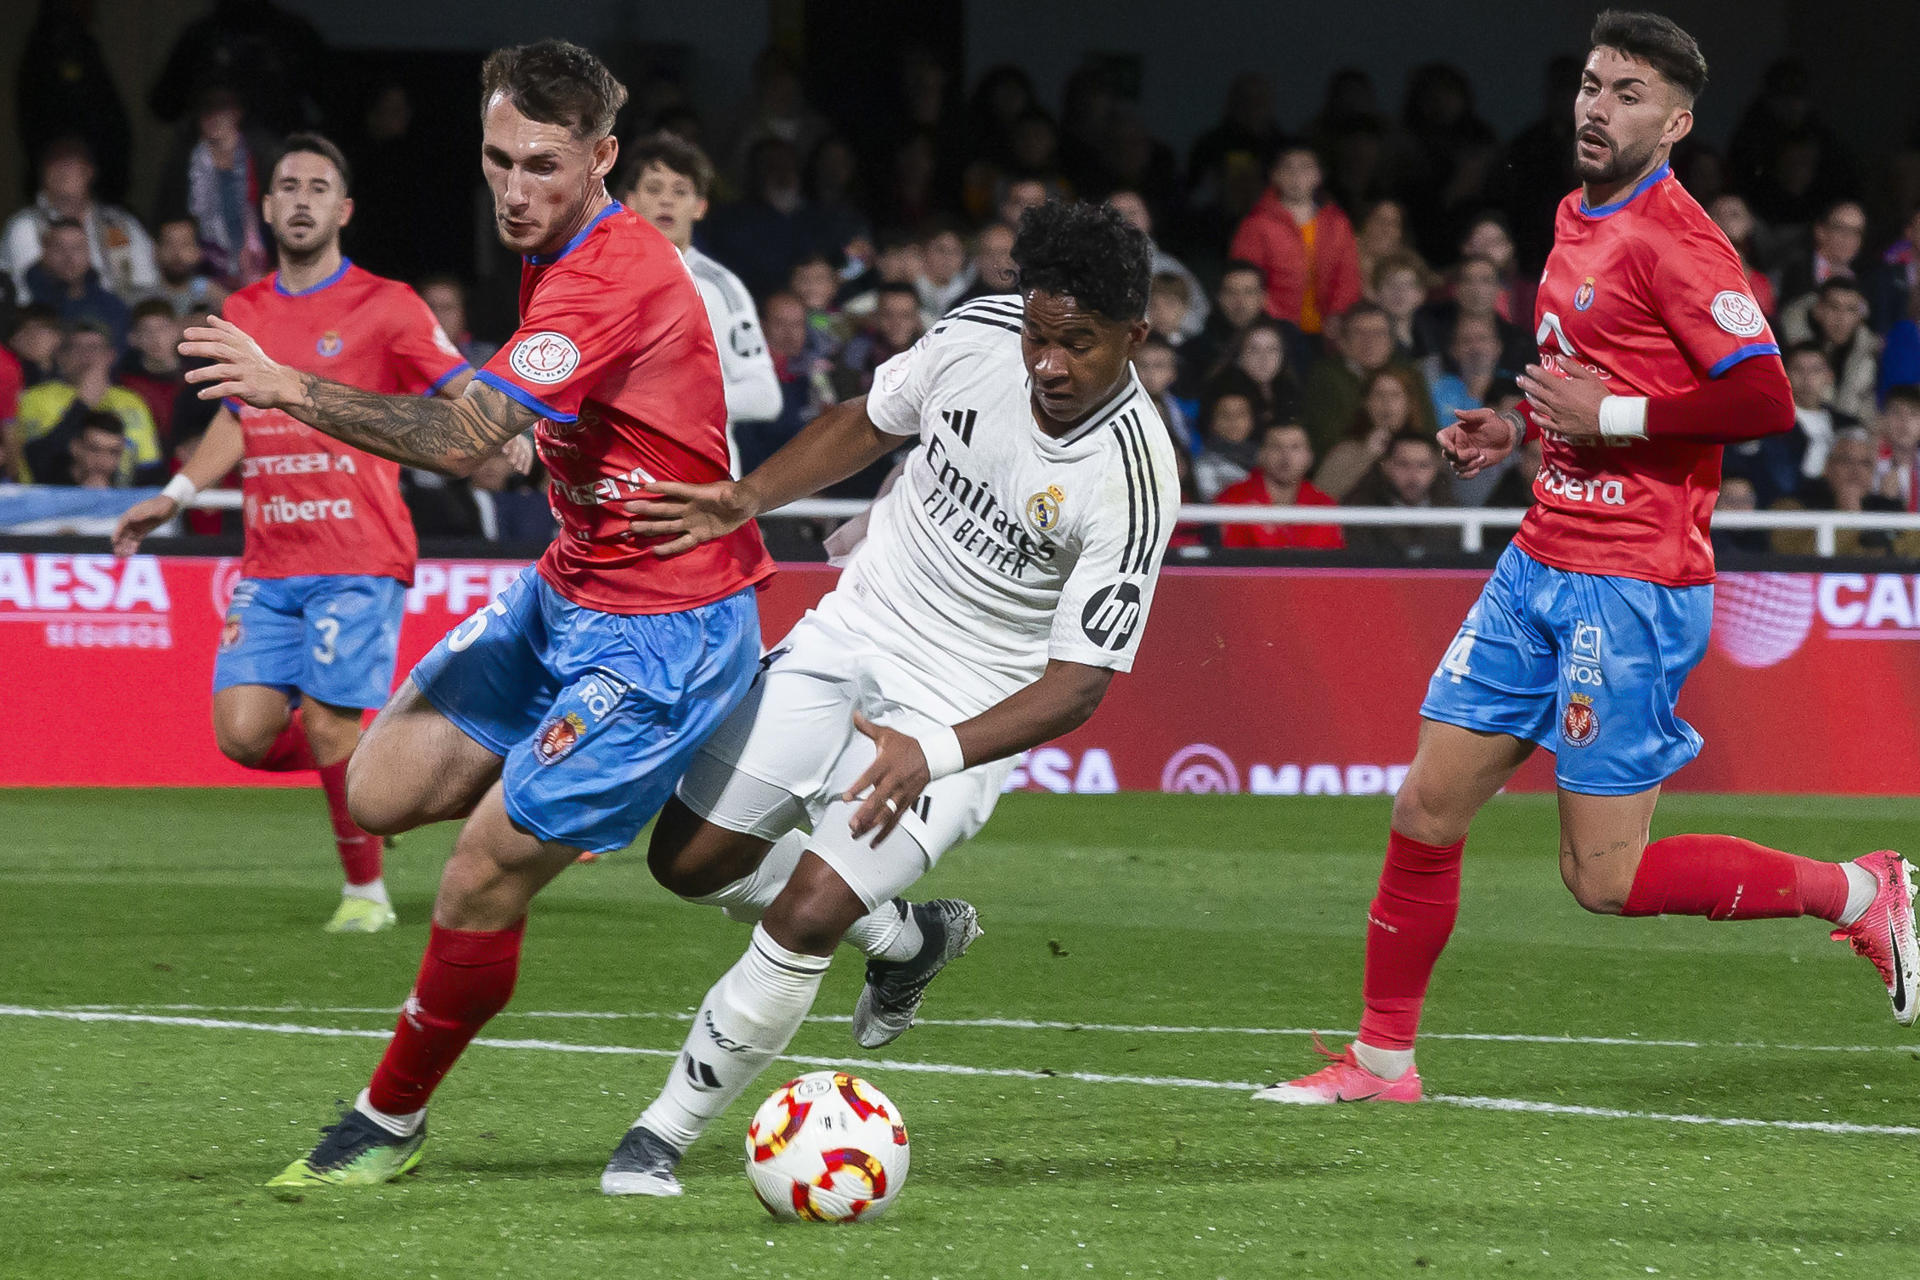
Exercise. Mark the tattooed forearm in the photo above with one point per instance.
(449, 436)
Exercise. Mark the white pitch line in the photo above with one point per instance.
(955, 1069)
(1033, 1024)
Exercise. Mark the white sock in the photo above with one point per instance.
(888, 933)
(745, 1021)
(748, 898)
(1388, 1064)
(1861, 891)
(400, 1126)
(372, 891)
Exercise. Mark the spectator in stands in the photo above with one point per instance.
(1134, 209)
(762, 236)
(1778, 465)
(1303, 247)
(1260, 358)
(1383, 234)
(1896, 475)
(1284, 460)
(815, 285)
(1169, 298)
(65, 87)
(84, 383)
(776, 111)
(446, 297)
(1017, 195)
(1399, 286)
(151, 366)
(1737, 494)
(509, 509)
(1408, 474)
(1392, 402)
(33, 338)
(1829, 254)
(1731, 214)
(116, 245)
(1892, 286)
(216, 180)
(1335, 385)
(945, 274)
(1351, 134)
(993, 260)
(64, 280)
(1228, 425)
(1155, 366)
(1537, 171)
(832, 182)
(183, 282)
(1230, 162)
(1475, 357)
(1476, 292)
(911, 195)
(1442, 156)
(1516, 485)
(1240, 300)
(12, 383)
(897, 262)
(896, 326)
(1847, 484)
(1783, 156)
(1837, 323)
(1133, 159)
(1487, 237)
(87, 453)
(272, 59)
(805, 373)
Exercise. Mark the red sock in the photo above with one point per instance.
(1727, 878)
(465, 978)
(1407, 927)
(289, 752)
(359, 851)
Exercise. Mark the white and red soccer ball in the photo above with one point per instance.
(827, 1147)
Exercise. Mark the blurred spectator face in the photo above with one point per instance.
(448, 302)
(1034, 143)
(993, 258)
(85, 352)
(1367, 340)
(900, 264)
(1022, 194)
(219, 122)
(670, 201)
(1399, 292)
(1232, 419)
(943, 256)
(776, 172)
(1386, 404)
(785, 316)
(1849, 471)
(1489, 240)
(1731, 214)
(66, 177)
(1261, 354)
(1838, 314)
(1383, 230)
(177, 250)
(1477, 288)
(155, 337)
(1155, 365)
(1899, 426)
(1737, 494)
(35, 341)
(1286, 455)
(1411, 467)
(96, 457)
(1167, 306)
(63, 253)
(1242, 298)
(307, 204)
(814, 284)
(834, 166)
(1476, 346)
(1838, 236)
(1296, 175)
(1811, 378)
(1130, 206)
(898, 319)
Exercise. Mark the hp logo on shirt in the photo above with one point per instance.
(1111, 616)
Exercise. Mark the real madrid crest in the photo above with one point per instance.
(1043, 508)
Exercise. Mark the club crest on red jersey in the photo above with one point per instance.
(1583, 296)
(330, 344)
(558, 736)
(230, 632)
(1581, 724)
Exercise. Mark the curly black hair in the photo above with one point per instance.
(1086, 252)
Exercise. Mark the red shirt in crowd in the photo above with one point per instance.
(1305, 283)
(1253, 492)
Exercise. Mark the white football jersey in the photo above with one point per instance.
(746, 366)
(1001, 547)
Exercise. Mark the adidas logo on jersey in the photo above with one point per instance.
(960, 422)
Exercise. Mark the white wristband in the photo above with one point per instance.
(1624, 417)
(942, 749)
(181, 490)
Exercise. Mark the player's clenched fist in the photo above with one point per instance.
(240, 369)
(1478, 440)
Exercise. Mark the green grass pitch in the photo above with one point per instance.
(1714, 1100)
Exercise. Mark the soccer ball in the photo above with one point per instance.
(827, 1147)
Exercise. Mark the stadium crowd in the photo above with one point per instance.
(1326, 291)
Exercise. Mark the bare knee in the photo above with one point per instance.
(1425, 812)
(246, 739)
(810, 923)
(376, 807)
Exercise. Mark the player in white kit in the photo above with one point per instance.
(1003, 581)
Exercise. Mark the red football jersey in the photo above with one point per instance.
(615, 354)
(313, 503)
(1648, 294)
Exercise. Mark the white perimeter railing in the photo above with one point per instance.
(1473, 522)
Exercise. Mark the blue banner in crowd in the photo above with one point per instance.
(51, 509)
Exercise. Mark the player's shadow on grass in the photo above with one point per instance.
(1016, 1168)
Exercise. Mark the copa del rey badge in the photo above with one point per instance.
(546, 357)
(1580, 725)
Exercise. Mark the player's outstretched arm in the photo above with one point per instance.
(219, 451)
(448, 436)
(1064, 697)
(840, 442)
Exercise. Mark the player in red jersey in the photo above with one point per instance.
(1653, 355)
(314, 627)
(558, 717)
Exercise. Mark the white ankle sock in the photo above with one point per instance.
(888, 933)
(745, 1021)
(1388, 1064)
(400, 1126)
(1861, 888)
(372, 891)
